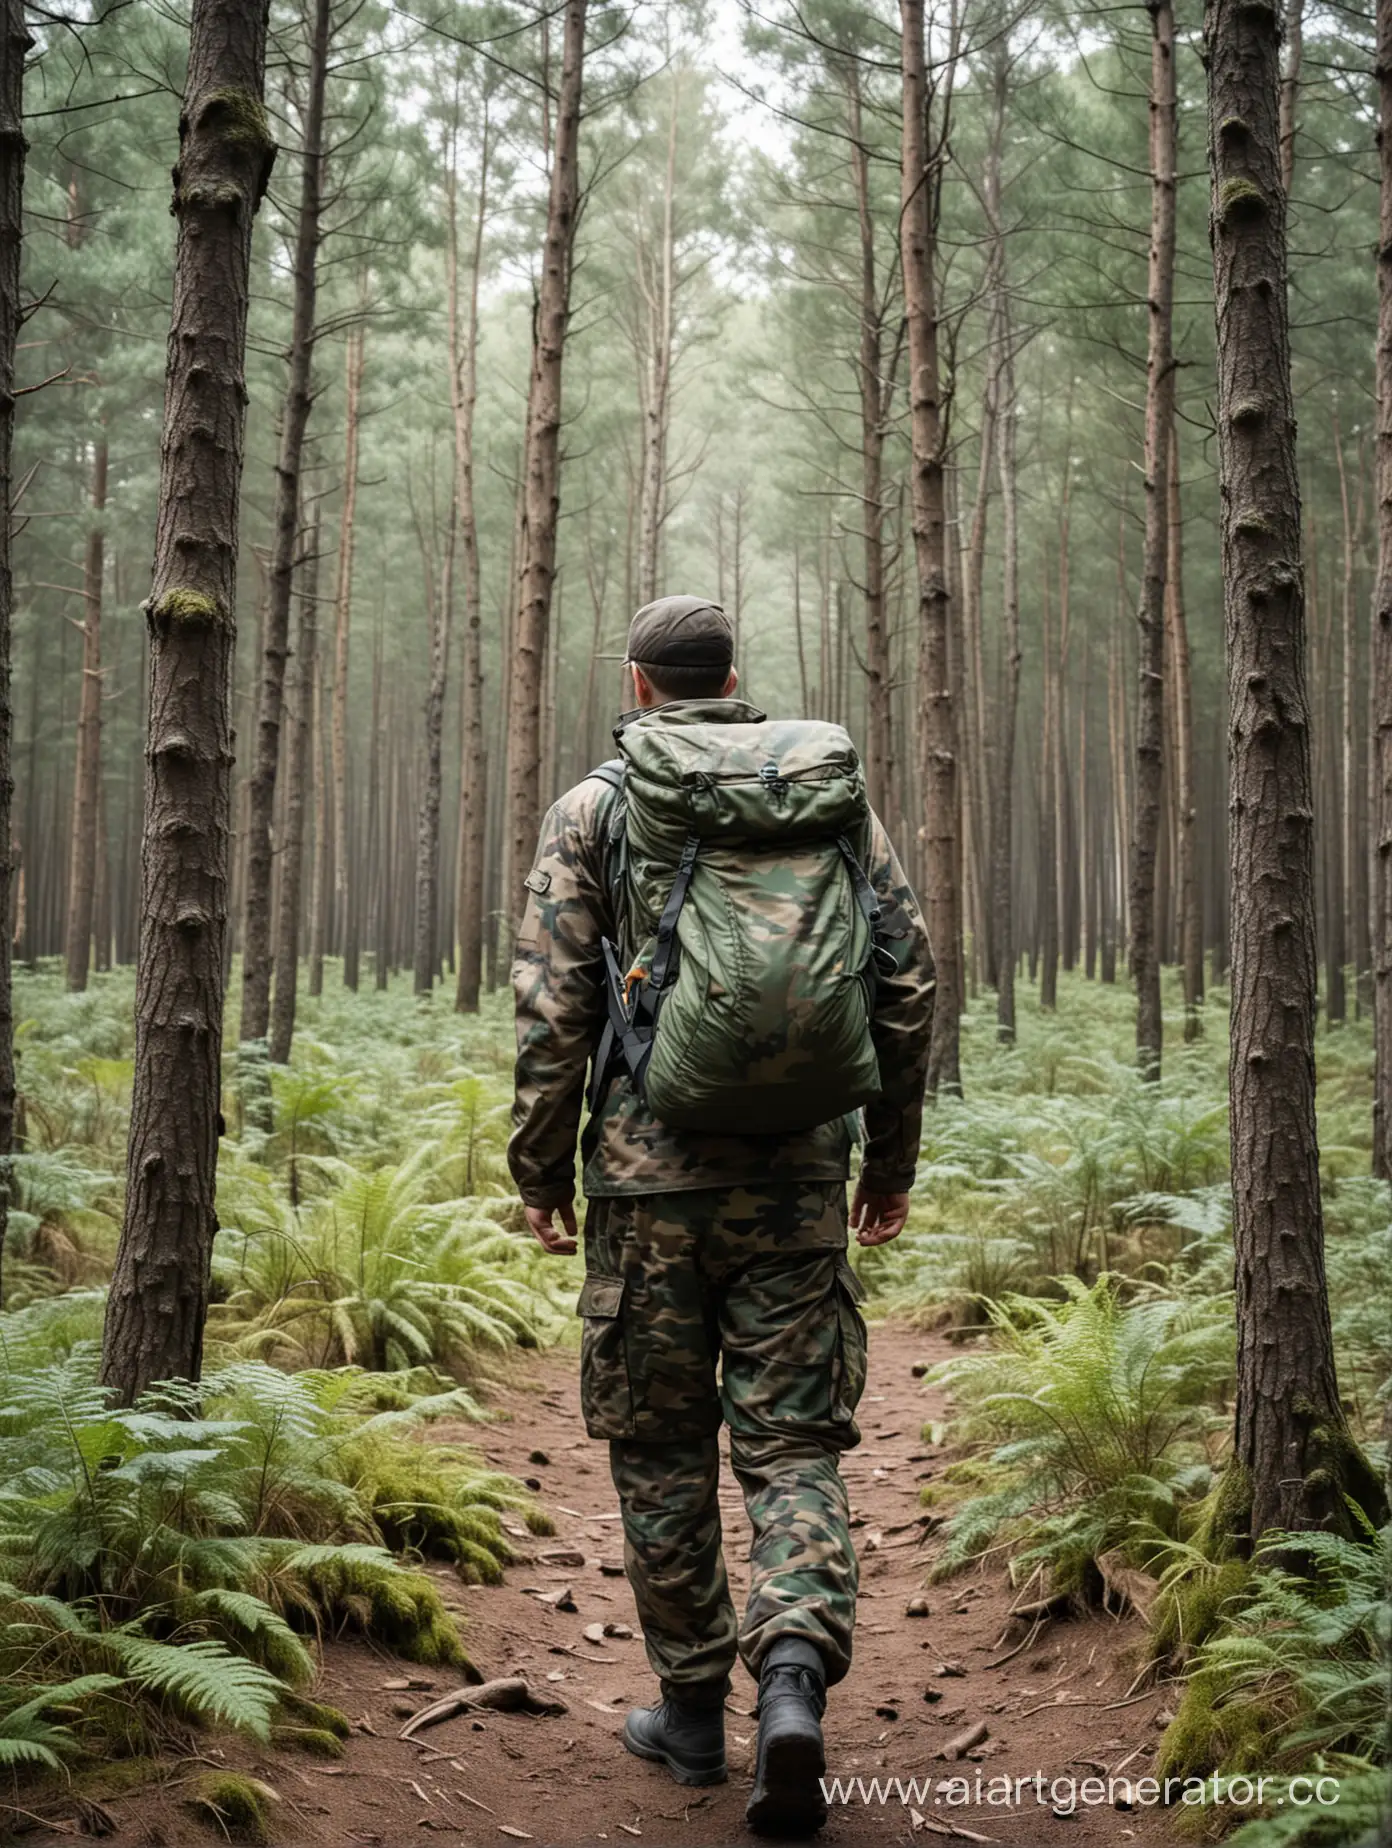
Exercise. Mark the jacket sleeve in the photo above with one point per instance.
(901, 1029)
(557, 982)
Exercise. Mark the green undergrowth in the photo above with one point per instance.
(1070, 1230)
(372, 1223)
(1071, 1233)
(1091, 1423)
(180, 1562)
(1295, 1681)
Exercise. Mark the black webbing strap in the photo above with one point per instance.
(881, 957)
(628, 1031)
(860, 884)
(667, 923)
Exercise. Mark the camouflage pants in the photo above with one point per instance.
(756, 1280)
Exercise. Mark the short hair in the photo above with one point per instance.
(680, 680)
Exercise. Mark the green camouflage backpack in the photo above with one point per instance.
(742, 1000)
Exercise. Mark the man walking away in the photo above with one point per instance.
(718, 927)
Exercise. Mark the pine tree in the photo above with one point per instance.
(937, 716)
(294, 420)
(541, 488)
(1294, 1455)
(14, 43)
(159, 1288)
(1159, 426)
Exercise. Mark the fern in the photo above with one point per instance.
(28, 1739)
(201, 1677)
(1095, 1410)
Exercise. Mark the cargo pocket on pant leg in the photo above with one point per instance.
(849, 1361)
(606, 1392)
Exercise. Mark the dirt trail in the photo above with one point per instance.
(1058, 1707)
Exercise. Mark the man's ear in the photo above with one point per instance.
(643, 694)
(730, 685)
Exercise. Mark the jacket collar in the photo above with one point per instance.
(696, 712)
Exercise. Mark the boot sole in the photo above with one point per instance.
(681, 1774)
(790, 1802)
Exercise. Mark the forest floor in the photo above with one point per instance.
(1059, 1706)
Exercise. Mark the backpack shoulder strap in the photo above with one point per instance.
(610, 772)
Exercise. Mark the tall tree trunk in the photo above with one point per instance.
(1186, 796)
(101, 896)
(294, 418)
(1349, 842)
(937, 714)
(82, 864)
(1380, 902)
(879, 722)
(14, 43)
(1291, 1444)
(1159, 426)
(1002, 756)
(656, 378)
(473, 752)
(376, 831)
(1003, 804)
(1048, 810)
(321, 876)
(976, 728)
(297, 793)
(425, 948)
(542, 487)
(159, 1289)
(1290, 89)
(344, 875)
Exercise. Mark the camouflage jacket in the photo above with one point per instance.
(558, 984)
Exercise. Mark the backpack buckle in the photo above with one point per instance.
(772, 778)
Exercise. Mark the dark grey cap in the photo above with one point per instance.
(681, 632)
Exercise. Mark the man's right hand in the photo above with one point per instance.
(560, 1240)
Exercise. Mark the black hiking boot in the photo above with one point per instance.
(787, 1796)
(685, 1732)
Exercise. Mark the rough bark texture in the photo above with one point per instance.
(541, 498)
(1159, 423)
(86, 808)
(937, 713)
(297, 796)
(1380, 905)
(14, 43)
(1189, 898)
(1292, 1451)
(159, 1289)
(473, 753)
(294, 419)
